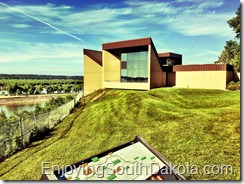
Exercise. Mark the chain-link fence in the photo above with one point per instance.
(16, 135)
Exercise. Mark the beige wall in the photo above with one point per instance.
(157, 76)
(111, 68)
(126, 85)
(201, 79)
(92, 75)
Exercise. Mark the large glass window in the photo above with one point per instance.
(134, 67)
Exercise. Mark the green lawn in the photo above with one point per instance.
(191, 126)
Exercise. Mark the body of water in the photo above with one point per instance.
(10, 108)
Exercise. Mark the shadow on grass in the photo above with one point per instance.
(40, 134)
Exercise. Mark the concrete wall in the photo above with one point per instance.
(92, 75)
(157, 76)
(201, 79)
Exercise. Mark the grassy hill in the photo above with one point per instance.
(191, 126)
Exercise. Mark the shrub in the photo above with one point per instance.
(233, 86)
(231, 83)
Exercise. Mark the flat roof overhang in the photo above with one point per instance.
(203, 67)
(126, 46)
(170, 54)
(117, 52)
(136, 45)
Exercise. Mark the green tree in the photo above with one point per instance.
(60, 88)
(67, 89)
(30, 91)
(21, 114)
(235, 23)
(49, 89)
(237, 58)
(3, 120)
(25, 88)
(38, 89)
(12, 88)
(18, 92)
(55, 88)
(39, 109)
(231, 53)
(77, 88)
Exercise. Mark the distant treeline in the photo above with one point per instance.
(39, 86)
(35, 76)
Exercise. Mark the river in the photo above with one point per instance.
(10, 108)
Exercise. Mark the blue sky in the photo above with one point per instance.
(48, 37)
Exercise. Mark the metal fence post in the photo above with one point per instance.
(21, 131)
(48, 119)
(34, 120)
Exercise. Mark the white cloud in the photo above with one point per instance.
(20, 25)
(215, 53)
(195, 25)
(49, 10)
(42, 58)
(191, 21)
(105, 22)
(198, 19)
(142, 7)
(31, 52)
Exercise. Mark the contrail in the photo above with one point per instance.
(39, 20)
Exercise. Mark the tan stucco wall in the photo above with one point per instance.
(126, 85)
(201, 79)
(111, 68)
(92, 75)
(157, 76)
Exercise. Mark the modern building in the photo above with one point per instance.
(135, 64)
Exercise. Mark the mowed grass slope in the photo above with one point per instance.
(194, 126)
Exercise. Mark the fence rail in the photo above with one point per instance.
(19, 133)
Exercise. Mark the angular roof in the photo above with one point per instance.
(127, 43)
(94, 55)
(134, 45)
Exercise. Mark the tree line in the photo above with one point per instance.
(35, 76)
(33, 86)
